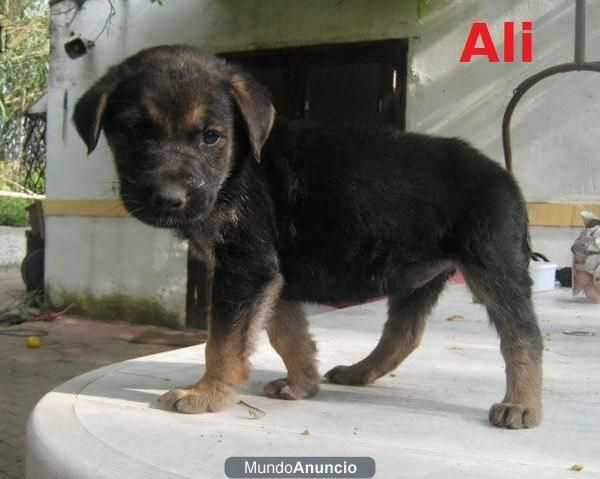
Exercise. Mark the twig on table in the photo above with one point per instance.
(255, 412)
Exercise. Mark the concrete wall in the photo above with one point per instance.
(555, 128)
(108, 256)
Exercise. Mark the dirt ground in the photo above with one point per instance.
(69, 346)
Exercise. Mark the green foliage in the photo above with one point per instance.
(24, 57)
(12, 211)
(24, 51)
(422, 8)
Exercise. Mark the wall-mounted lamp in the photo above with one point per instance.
(77, 46)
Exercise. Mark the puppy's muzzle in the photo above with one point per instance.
(168, 198)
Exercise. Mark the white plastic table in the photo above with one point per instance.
(428, 419)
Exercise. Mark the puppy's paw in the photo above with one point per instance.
(283, 388)
(515, 416)
(349, 375)
(204, 397)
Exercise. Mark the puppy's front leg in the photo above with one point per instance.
(236, 316)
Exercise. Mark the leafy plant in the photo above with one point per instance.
(12, 210)
(24, 51)
(422, 8)
(24, 55)
(13, 213)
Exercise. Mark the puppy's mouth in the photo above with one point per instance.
(163, 221)
(148, 215)
(165, 205)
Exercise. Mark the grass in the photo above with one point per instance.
(12, 211)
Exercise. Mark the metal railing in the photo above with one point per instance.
(579, 64)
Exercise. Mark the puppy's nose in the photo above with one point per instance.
(169, 198)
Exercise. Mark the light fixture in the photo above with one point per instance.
(77, 46)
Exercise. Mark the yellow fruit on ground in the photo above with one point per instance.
(33, 342)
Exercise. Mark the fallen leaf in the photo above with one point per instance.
(48, 317)
(576, 467)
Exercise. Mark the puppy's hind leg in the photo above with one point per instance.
(407, 311)
(495, 258)
(289, 336)
(506, 294)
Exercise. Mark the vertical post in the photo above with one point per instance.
(579, 32)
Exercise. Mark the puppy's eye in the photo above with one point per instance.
(138, 129)
(210, 137)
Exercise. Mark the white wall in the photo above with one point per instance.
(116, 255)
(556, 125)
(555, 128)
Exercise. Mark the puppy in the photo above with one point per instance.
(285, 212)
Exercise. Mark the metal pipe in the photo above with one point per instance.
(578, 65)
(526, 85)
(579, 31)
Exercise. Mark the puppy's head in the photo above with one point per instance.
(176, 119)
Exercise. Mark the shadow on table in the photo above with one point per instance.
(133, 382)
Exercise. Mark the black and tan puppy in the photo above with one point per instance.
(290, 212)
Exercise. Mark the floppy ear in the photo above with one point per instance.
(89, 110)
(257, 110)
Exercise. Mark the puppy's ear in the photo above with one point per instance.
(89, 110)
(257, 110)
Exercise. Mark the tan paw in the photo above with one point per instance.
(283, 389)
(515, 416)
(196, 399)
(349, 375)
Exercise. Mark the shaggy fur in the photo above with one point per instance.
(288, 211)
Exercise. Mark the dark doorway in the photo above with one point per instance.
(349, 83)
